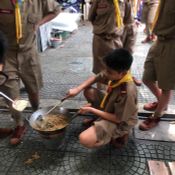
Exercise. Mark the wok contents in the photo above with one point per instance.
(51, 122)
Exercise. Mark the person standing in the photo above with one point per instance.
(19, 21)
(108, 18)
(159, 67)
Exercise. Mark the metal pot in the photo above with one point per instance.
(58, 110)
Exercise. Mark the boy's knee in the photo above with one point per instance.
(89, 92)
(86, 141)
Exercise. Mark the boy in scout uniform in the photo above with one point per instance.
(3, 44)
(117, 110)
(148, 14)
(159, 68)
(19, 21)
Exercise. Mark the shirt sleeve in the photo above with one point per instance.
(51, 6)
(126, 107)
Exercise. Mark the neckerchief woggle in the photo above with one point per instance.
(125, 79)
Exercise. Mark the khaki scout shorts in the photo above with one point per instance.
(160, 64)
(148, 12)
(24, 66)
(106, 130)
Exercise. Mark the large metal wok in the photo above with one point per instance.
(33, 119)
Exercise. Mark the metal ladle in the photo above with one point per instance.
(18, 105)
(40, 118)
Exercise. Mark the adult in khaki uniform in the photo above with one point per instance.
(159, 68)
(19, 20)
(117, 110)
(107, 32)
(148, 14)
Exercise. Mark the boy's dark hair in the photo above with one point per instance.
(119, 60)
(3, 46)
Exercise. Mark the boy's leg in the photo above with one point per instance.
(94, 97)
(88, 138)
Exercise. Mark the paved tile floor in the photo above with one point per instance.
(63, 68)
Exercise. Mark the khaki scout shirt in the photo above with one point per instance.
(32, 11)
(103, 18)
(165, 25)
(122, 101)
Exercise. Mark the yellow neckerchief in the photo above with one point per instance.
(119, 20)
(18, 20)
(126, 78)
(156, 16)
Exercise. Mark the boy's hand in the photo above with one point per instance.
(85, 109)
(73, 92)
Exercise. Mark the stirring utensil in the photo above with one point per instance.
(18, 105)
(56, 105)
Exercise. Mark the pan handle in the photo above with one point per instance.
(75, 115)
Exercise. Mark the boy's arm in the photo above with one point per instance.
(74, 91)
(105, 115)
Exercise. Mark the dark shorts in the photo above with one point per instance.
(160, 64)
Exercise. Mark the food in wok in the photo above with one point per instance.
(51, 122)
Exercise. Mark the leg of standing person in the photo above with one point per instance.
(129, 40)
(4, 132)
(32, 78)
(108, 45)
(158, 76)
(151, 11)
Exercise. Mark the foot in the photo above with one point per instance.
(120, 142)
(4, 132)
(17, 135)
(136, 81)
(149, 123)
(150, 106)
